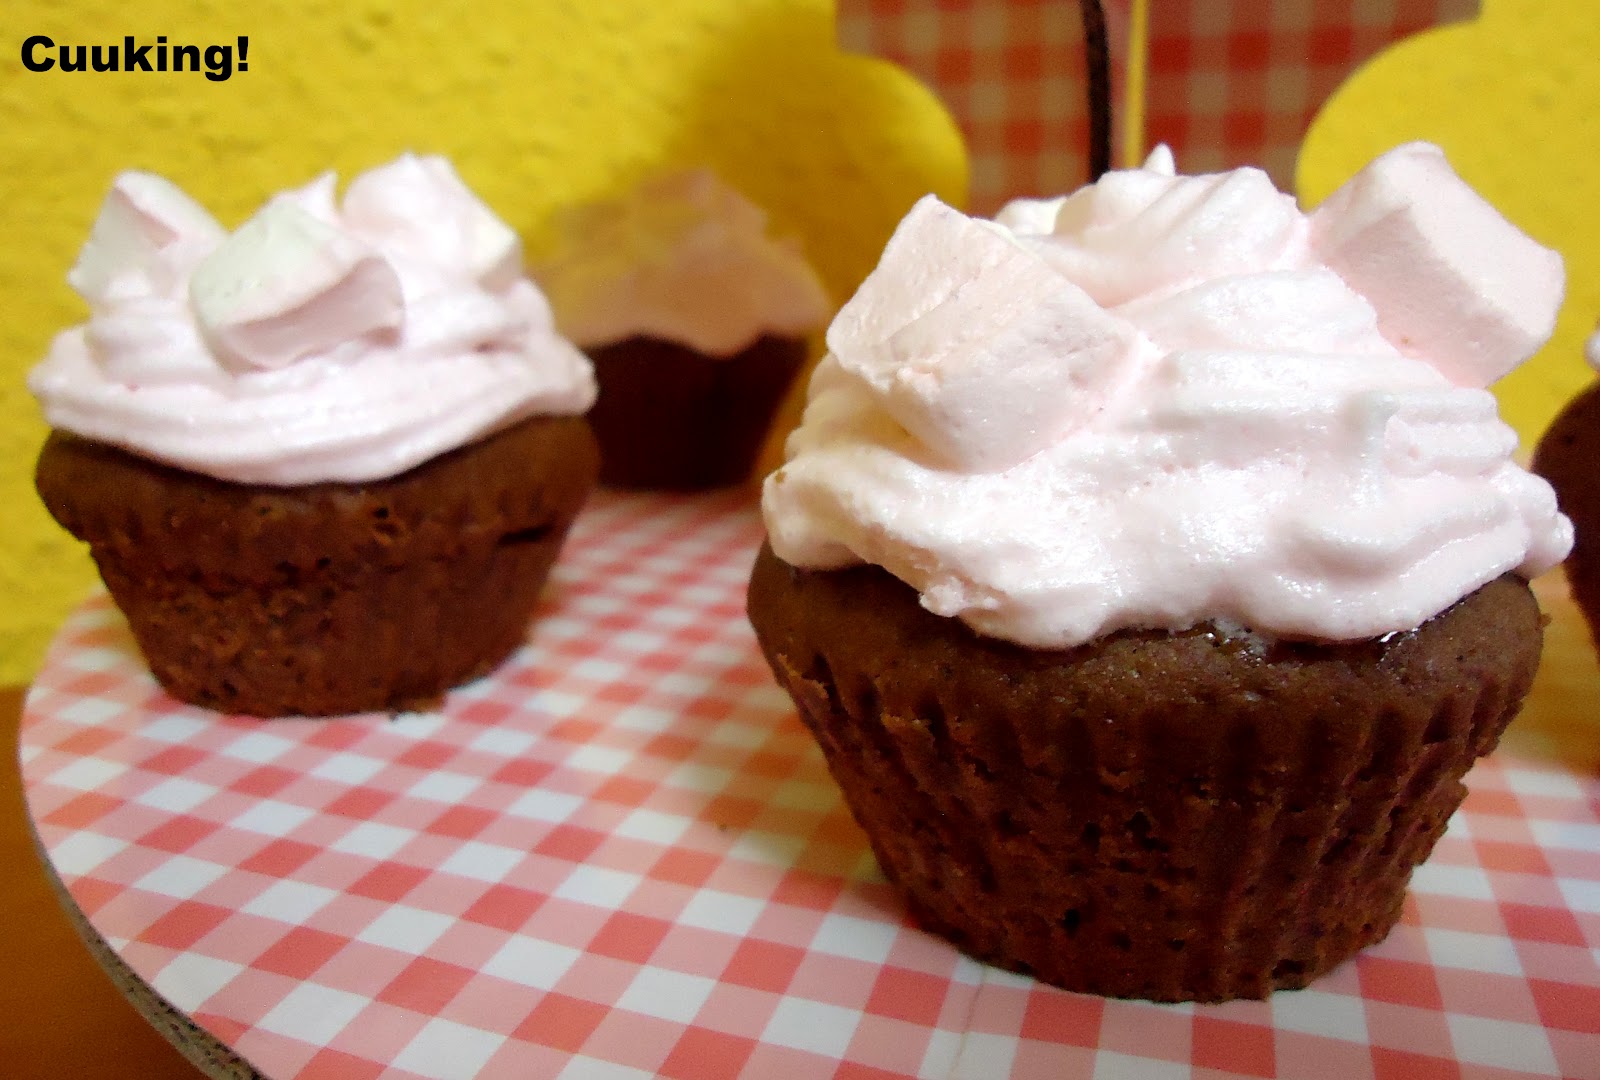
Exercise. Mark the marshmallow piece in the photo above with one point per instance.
(133, 247)
(423, 201)
(974, 344)
(1453, 282)
(287, 285)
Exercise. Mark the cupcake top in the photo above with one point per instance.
(1169, 400)
(322, 340)
(682, 258)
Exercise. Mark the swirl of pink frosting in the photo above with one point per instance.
(1167, 400)
(320, 341)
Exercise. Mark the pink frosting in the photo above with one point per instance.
(1167, 400)
(320, 341)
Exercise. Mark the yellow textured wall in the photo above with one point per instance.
(539, 104)
(1514, 99)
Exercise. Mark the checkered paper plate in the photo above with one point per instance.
(621, 856)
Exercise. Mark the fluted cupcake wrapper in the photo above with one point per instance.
(671, 418)
(330, 598)
(1172, 817)
(1566, 456)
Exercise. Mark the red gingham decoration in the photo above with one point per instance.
(1011, 72)
(621, 856)
(1228, 82)
(1238, 82)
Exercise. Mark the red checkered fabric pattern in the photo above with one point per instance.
(1239, 82)
(1011, 72)
(621, 856)
(1228, 82)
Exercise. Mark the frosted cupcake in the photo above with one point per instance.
(696, 321)
(325, 462)
(1151, 565)
(1567, 456)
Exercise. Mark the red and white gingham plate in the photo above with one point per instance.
(622, 856)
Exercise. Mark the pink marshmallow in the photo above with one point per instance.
(1453, 282)
(145, 223)
(974, 343)
(287, 285)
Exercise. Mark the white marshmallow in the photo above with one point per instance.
(287, 285)
(138, 242)
(973, 344)
(1453, 282)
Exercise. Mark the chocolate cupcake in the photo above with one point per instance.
(696, 322)
(1171, 816)
(1566, 456)
(324, 464)
(1152, 568)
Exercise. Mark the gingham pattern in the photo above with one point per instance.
(1011, 72)
(1239, 82)
(621, 856)
(1228, 82)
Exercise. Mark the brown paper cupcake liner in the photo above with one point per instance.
(1163, 816)
(670, 418)
(525, 476)
(328, 598)
(1566, 457)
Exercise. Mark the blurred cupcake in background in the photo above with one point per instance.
(696, 321)
(1569, 457)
